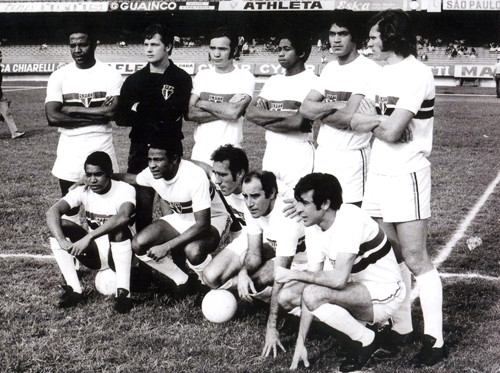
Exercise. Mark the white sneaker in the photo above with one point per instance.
(18, 135)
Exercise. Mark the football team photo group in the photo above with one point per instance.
(328, 230)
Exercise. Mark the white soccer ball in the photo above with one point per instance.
(105, 281)
(219, 306)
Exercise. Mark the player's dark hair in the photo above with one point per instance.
(351, 21)
(228, 33)
(267, 180)
(84, 29)
(237, 158)
(300, 41)
(325, 187)
(172, 146)
(396, 32)
(102, 160)
(165, 32)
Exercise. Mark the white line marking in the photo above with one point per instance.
(23, 89)
(469, 275)
(459, 233)
(34, 256)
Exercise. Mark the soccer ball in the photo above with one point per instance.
(219, 306)
(105, 281)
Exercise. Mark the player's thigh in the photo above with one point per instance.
(392, 235)
(412, 237)
(355, 298)
(157, 233)
(223, 267)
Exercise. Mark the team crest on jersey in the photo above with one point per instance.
(276, 106)
(176, 207)
(86, 98)
(215, 98)
(382, 103)
(167, 91)
(330, 97)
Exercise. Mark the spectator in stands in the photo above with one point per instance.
(153, 101)
(496, 76)
(81, 100)
(5, 111)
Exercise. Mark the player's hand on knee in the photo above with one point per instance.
(158, 252)
(65, 244)
(367, 106)
(283, 275)
(79, 246)
(262, 103)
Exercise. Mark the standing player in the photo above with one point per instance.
(81, 99)
(219, 99)
(398, 109)
(342, 152)
(198, 219)
(109, 207)
(496, 76)
(271, 241)
(5, 111)
(152, 102)
(365, 285)
(289, 153)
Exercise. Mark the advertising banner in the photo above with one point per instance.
(271, 5)
(471, 4)
(153, 6)
(474, 71)
(53, 6)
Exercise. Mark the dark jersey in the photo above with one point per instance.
(163, 100)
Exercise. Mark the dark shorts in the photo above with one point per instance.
(138, 157)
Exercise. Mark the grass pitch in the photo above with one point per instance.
(164, 335)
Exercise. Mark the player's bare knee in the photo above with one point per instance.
(138, 245)
(288, 299)
(120, 235)
(311, 298)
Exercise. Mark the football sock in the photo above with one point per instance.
(122, 256)
(199, 268)
(66, 263)
(340, 319)
(74, 218)
(402, 322)
(431, 301)
(167, 267)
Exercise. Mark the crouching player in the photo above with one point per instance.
(109, 206)
(271, 241)
(365, 284)
(196, 218)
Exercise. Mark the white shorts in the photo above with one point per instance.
(350, 167)
(398, 199)
(221, 223)
(386, 298)
(289, 162)
(202, 152)
(72, 151)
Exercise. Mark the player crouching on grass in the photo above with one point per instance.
(194, 218)
(109, 206)
(269, 240)
(365, 283)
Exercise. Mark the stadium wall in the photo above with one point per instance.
(445, 75)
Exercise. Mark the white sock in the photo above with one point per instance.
(122, 256)
(167, 267)
(199, 268)
(431, 300)
(74, 218)
(66, 263)
(402, 322)
(340, 319)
